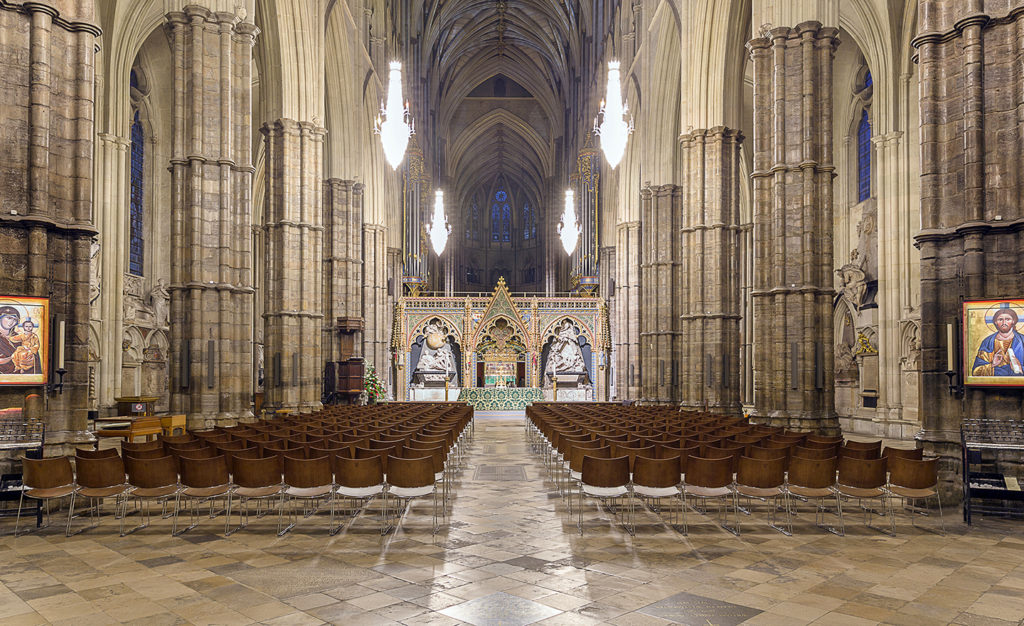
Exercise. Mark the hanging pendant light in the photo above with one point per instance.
(614, 129)
(394, 124)
(438, 229)
(568, 229)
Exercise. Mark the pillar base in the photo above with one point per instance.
(805, 422)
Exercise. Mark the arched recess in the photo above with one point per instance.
(661, 121)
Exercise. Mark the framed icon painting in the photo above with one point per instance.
(994, 343)
(24, 340)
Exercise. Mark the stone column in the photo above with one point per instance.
(293, 309)
(342, 263)
(376, 313)
(211, 203)
(710, 271)
(659, 343)
(972, 121)
(46, 227)
(793, 171)
(627, 310)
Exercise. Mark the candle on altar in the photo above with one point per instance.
(60, 345)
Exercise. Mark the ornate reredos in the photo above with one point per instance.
(502, 307)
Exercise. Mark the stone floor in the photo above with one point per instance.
(511, 555)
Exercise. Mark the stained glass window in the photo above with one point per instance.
(529, 222)
(501, 217)
(136, 244)
(867, 79)
(473, 223)
(864, 157)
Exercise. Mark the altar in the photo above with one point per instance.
(500, 351)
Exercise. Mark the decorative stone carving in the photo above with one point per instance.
(160, 301)
(846, 364)
(852, 283)
(565, 356)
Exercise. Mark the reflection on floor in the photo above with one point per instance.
(512, 556)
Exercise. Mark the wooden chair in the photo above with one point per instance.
(149, 480)
(865, 479)
(202, 480)
(815, 478)
(913, 479)
(914, 454)
(359, 480)
(255, 479)
(859, 453)
(98, 478)
(310, 480)
(409, 479)
(654, 479)
(710, 478)
(85, 453)
(45, 480)
(632, 453)
(813, 453)
(605, 478)
(765, 479)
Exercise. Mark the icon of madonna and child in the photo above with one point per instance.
(994, 340)
(23, 324)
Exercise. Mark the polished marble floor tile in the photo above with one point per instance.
(500, 609)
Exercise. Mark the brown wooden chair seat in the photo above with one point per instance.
(913, 479)
(764, 479)
(865, 479)
(203, 480)
(98, 478)
(254, 479)
(150, 480)
(359, 480)
(409, 479)
(710, 478)
(815, 478)
(45, 480)
(605, 478)
(310, 480)
(85, 453)
(654, 479)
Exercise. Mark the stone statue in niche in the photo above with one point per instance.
(160, 301)
(846, 364)
(565, 356)
(852, 283)
(437, 355)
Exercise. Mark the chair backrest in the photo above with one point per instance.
(365, 453)
(827, 445)
(176, 439)
(576, 454)
(235, 444)
(305, 473)
(207, 472)
(757, 452)
(144, 454)
(861, 473)
(198, 453)
(176, 448)
(632, 453)
(99, 472)
(761, 473)
(256, 472)
(142, 445)
(410, 473)
(656, 473)
(915, 454)
(913, 473)
(812, 473)
(709, 472)
(813, 453)
(85, 453)
(865, 445)
(732, 455)
(860, 453)
(251, 452)
(822, 439)
(356, 473)
(604, 471)
(151, 473)
(47, 473)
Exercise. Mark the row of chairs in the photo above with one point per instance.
(217, 464)
(773, 468)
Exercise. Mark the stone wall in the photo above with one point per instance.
(46, 148)
(972, 216)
